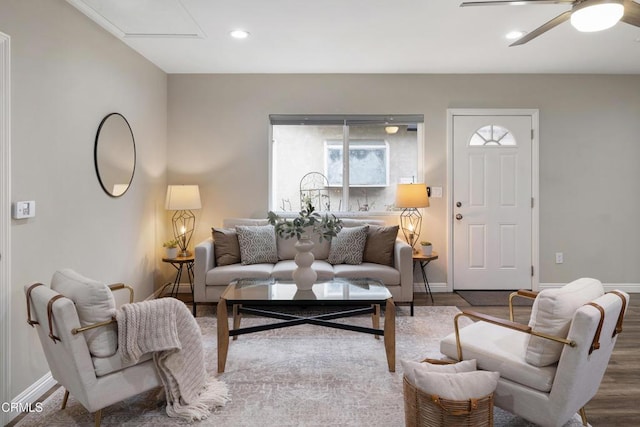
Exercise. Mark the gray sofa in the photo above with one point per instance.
(210, 280)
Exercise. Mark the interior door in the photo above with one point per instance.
(492, 202)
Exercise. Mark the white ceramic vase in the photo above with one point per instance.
(304, 276)
(426, 250)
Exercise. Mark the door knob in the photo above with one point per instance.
(458, 217)
(458, 204)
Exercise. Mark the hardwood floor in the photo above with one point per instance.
(618, 400)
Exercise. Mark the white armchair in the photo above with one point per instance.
(96, 381)
(552, 367)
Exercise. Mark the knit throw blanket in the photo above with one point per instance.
(166, 327)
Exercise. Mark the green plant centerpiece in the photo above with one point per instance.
(171, 248)
(170, 244)
(325, 226)
(307, 223)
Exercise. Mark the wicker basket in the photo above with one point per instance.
(426, 410)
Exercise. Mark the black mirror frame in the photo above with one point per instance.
(95, 155)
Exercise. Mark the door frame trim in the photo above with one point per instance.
(5, 221)
(535, 178)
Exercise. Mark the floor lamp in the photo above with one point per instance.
(183, 198)
(411, 197)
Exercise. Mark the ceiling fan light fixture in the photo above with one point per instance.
(514, 35)
(596, 15)
(239, 34)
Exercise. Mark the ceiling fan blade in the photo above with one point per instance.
(631, 13)
(513, 2)
(543, 28)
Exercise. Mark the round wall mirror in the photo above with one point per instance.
(115, 154)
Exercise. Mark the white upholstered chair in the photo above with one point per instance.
(552, 367)
(83, 358)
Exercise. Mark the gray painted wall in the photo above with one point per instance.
(67, 74)
(589, 150)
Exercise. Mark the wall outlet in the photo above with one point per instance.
(559, 257)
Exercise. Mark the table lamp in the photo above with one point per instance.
(183, 198)
(410, 197)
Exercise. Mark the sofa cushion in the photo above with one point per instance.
(552, 313)
(387, 275)
(496, 348)
(95, 303)
(348, 245)
(283, 270)
(458, 386)
(257, 244)
(222, 276)
(410, 368)
(353, 222)
(379, 245)
(226, 248)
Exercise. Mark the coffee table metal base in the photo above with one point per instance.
(389, 331)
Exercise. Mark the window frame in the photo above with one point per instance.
(346, 121)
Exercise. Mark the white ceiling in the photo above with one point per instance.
(359, 36)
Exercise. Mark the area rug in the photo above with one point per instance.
(495, 298)
(299, 376)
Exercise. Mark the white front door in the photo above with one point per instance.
(492, 201)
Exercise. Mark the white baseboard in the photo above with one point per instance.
(418, 287)
(183, 288)
(26, 400)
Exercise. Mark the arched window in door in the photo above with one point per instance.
(492, 135)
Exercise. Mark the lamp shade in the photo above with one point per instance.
(182, 197)
(412, 196)
(596, 15)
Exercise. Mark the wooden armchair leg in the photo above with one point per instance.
(64, 399)
(583, 415)
(98, 417)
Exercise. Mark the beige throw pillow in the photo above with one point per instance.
(552, 313)
(95, 303)
(410, 368)
(226, 248)
(380, 244)
(459, 386)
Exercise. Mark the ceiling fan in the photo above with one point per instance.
(585, 15)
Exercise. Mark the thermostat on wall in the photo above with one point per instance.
(23, 210)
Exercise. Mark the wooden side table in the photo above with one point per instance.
(423, 261)
(179, 264)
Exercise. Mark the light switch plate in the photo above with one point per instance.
(22, 210)
(436, 192)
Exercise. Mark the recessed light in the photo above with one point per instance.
(513, 35)
(239, 34)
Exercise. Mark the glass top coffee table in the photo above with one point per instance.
(264, 297)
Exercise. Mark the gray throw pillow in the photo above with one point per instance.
(226, 249)
(380, 244)
(257, 244)
(348, 245)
